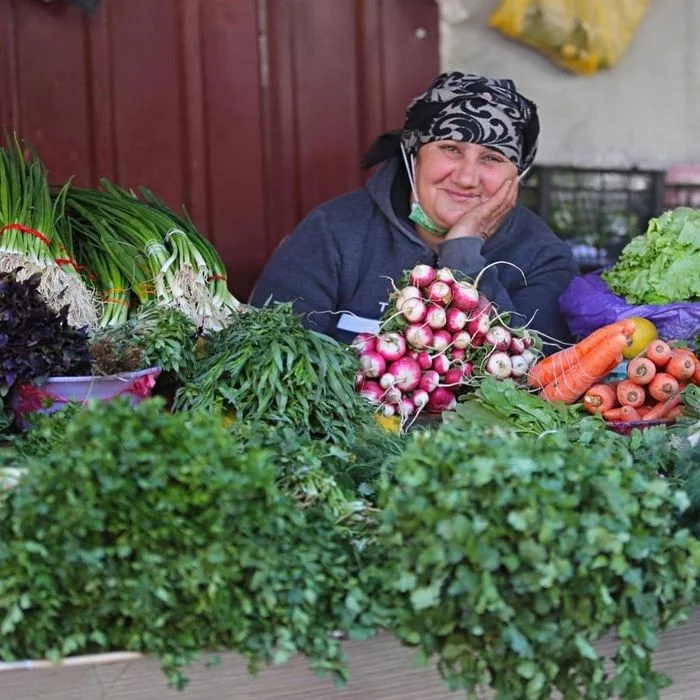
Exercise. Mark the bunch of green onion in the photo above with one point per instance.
(142, 248)
(29, 238)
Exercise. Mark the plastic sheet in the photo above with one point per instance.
(588, 304)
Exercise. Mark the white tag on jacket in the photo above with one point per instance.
(357, 324)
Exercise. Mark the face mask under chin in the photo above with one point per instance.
(420, 218)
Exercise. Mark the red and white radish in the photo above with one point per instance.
(419, 336)
(406, 293)
(458, 354)
(453, 377)
(441, 340)
(441, 364)
(436, 317)
(461, 340)
(444, 274)
(442, 399)
(455, 320)
(425, 361)
(406, 406)
(499, 337)
(364, 342)
(413, 309)
(465, 295)
(517, 345)
(519, 366)
(420, 398)
(372, 391)
(372, 364)
(387, 380)
(422, 275)
(391, 346)
(499, 365)
(440, 292)
(407, 374)
(478, 324)
(429, 381)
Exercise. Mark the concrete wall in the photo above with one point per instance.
(644, 112)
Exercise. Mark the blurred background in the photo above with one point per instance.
(251, 112)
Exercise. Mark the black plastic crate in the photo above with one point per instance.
(596, 211)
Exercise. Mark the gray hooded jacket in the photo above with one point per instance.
(337, 266)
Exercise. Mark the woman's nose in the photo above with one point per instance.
(466, 174)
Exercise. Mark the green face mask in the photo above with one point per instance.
(418, 215)
(420, 218)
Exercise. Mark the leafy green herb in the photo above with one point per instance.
(504, 403)
(156, 336)
(159, 533)
(663, 265)
(506, 557)
(265, 366)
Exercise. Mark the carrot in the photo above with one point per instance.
(549, 368)
(662, 408)
(659, 352)
(662, 386)
(643, 410)
(630, 394)
(590, 369)
(599, 398)
(641, 370)
(681, 366)
(696, 375)
(623, 413)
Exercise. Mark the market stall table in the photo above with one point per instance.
(381, 669)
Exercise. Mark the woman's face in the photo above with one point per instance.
(453, 177)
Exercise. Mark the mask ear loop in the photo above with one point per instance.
(410, 170)
(525, 173)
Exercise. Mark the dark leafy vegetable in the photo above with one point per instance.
(35, 341)
(506, 557)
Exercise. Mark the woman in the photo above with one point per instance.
(446, 196)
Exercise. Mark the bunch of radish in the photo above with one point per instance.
(438, 336)
(652, 388)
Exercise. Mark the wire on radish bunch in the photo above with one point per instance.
(439, 335)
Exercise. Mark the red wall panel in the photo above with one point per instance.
(249, 112)
(233, 129)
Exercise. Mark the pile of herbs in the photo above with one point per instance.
(340, 480)
(159, 533)
(663, 265)
(265, 366)
(35, 341)
(507, 557)
(154, 336)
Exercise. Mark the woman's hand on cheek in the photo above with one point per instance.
(483, 220)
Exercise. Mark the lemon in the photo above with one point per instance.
(392, 424)
(644, 332)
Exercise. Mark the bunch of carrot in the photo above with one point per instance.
(652, 389)
(568, 374)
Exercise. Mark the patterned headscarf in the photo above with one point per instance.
(463, 107)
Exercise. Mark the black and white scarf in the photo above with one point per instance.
(463, 107)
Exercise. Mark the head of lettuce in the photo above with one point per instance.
(661, 266)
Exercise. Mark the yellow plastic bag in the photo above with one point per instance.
(581, 35)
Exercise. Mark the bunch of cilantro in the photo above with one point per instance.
(663, 265)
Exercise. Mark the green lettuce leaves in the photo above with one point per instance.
(663, 265)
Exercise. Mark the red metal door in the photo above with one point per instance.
(248, 112)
